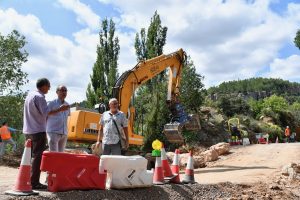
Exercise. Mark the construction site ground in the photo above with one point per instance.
(250, 172)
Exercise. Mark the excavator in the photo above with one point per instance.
(83, 124)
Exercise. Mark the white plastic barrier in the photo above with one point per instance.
(246, 141)
(126, 171)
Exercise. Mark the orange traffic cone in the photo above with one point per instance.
(165, 164)
(175, 167)
(23, 185)
(158, 177)
(189, 171)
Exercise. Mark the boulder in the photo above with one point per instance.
(221, 148)
(210, 155)
(183, 158)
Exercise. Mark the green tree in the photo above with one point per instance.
(275, 103)
(105, 70)
(192, 89)
(12, 56)
(231, 106)
(148, 46)
(297, 39)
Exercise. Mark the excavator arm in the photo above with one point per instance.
(130, 80)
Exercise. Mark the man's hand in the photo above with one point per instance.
(127, 144)
(64, 107)
(98, 144)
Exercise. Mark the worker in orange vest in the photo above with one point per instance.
(287, 133)
(5, 133)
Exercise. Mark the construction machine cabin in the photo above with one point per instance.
(83, 124)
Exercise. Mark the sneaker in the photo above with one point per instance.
(39, 186)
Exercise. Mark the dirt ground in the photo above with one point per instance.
(251, 172)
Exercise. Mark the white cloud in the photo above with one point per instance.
(55, 57)
(84, 13)
(231, 40)
(286, 68)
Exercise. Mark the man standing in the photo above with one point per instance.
(112, 125)
(57, 131)
(5, 133)
(287, 133)
(34, 127)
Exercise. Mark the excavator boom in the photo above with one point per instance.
(130, 80)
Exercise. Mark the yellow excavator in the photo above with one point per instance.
(83, 124)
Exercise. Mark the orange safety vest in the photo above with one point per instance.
(5, 133)
(287, 132)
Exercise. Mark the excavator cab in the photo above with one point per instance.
(180, 120)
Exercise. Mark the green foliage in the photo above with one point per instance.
(275, 103)
(105, 70)
(233, 105)
(259, 86)
(12, 56)
(297, 39)
(192, 89)
(11, 107)
(150, 101)
(256, 107)
(190, 137)
(151, 44)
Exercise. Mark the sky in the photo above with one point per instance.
(226, 39)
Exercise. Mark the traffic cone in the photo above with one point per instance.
(165, 165)
(158, 177)
(175, 167)
(23, 184)
(189, 171)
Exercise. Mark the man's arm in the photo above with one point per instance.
(60, 109)
(126, 135)
(100, 135)
(12, 129)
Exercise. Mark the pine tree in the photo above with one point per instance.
(105, 70)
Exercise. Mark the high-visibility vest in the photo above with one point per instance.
(5, 133)
(287, 132)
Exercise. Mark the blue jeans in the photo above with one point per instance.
(4, 143)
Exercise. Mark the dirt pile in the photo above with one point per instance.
(176, 192)
(292, 171)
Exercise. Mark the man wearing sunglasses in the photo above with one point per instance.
(113, 128)
(57, 131)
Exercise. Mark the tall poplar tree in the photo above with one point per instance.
(151, 98)
(297, 39)
(105, 70)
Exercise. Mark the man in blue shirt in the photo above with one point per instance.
(57, 130)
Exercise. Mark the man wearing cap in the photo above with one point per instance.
(57, 130)
(34, 126)
(113, 126)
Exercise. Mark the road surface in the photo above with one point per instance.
(250, 164)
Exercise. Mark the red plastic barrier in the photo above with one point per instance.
(72, 171)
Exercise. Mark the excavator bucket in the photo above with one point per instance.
(173, 131)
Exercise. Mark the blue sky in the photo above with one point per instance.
(229, 40)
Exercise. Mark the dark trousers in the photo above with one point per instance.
(39, 141)
(111, 149)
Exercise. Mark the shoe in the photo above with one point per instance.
(39, 186)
